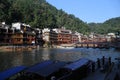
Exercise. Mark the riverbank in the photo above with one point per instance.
(11, 48)
(16, 48)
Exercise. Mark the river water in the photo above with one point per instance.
(27, 58)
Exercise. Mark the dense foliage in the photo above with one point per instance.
(111, 25)
(39, 13)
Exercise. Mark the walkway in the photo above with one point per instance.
(109, 75)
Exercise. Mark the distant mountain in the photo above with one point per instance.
(111, 25)
(39, 13)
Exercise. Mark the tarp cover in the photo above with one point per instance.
(38, 66)
(10, 72)
(44, 69)
(77, 64)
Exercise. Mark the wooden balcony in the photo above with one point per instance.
(17, 41)
(17, 37)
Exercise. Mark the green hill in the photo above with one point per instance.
(39, 13)
(111, 25)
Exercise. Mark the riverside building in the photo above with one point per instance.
(59, 36)
(5, 34)
(20, 34)
(25, 34)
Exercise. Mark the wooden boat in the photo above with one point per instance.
(50, 70)
(46, 70)
(66, 47)
(76, 70)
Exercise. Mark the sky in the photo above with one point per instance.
(88, 11)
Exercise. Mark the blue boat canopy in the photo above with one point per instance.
(77, 64)
(47, 69)
(10, 72)
(38, 66)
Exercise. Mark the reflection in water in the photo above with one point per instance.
(17, 59)
(68, 56)
(45, 54)
(10, 59)
(27, 58)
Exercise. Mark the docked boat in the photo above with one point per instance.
(66, 47)
(57, 70)
(76, 70)
(11, 73)
(49, 70)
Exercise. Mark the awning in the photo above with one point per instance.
(50, 69)
(46, 68)
(77, 64)
(38, 66)
(10, 72)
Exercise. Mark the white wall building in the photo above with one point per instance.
(46, 35)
